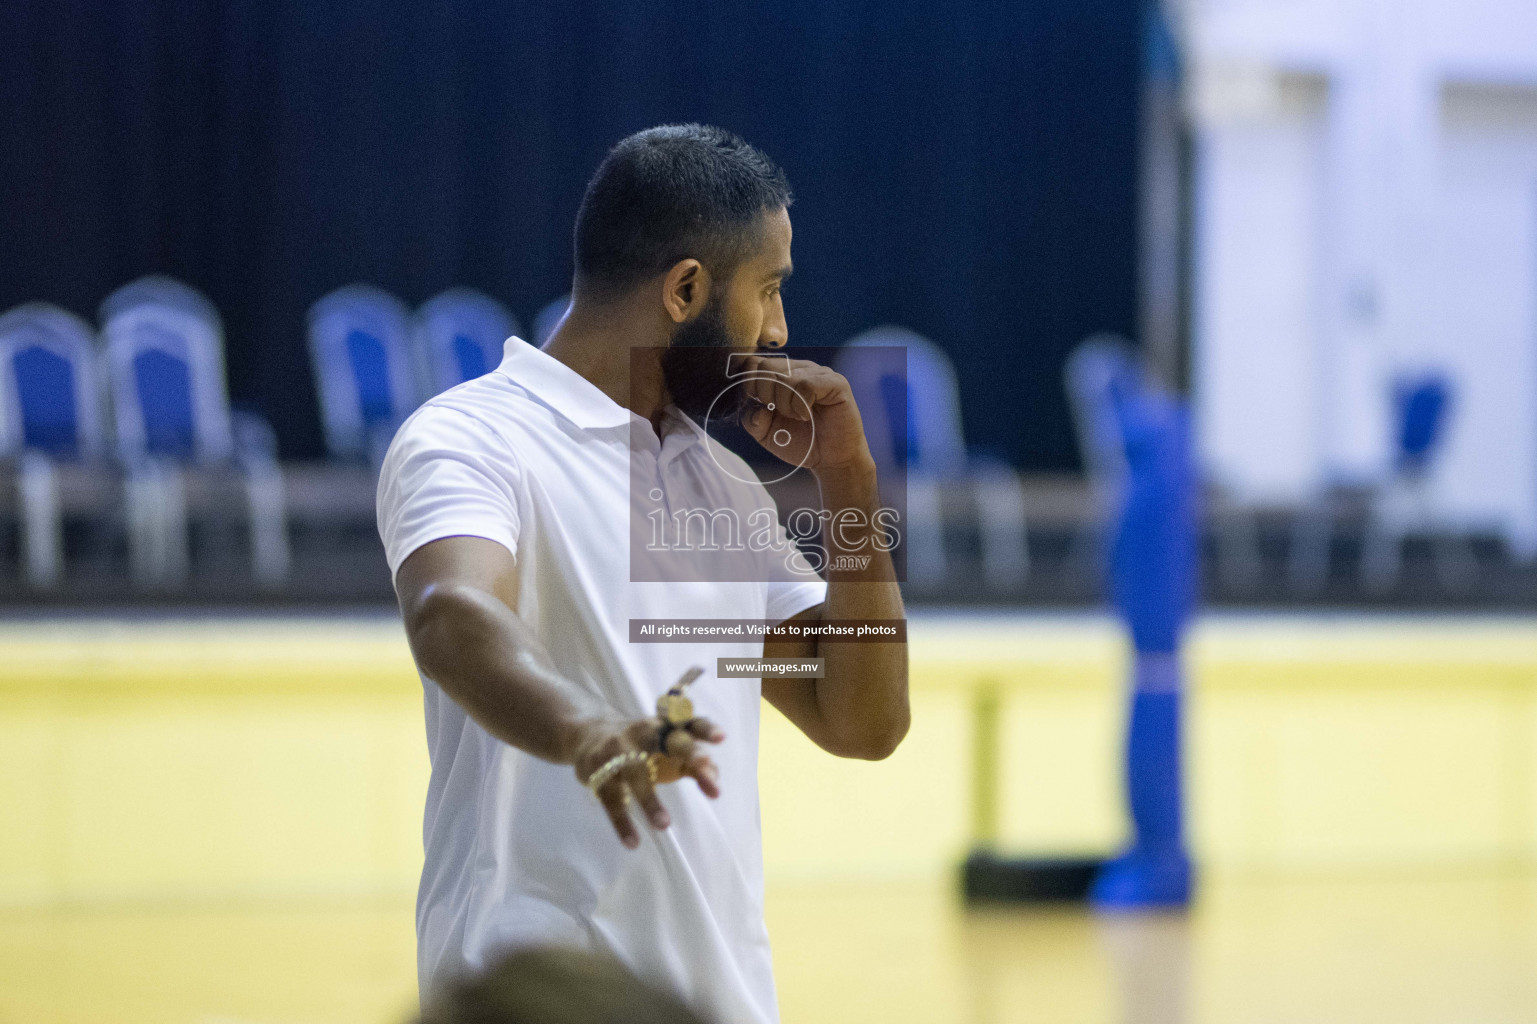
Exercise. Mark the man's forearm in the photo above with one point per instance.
(864, 695)
(486, 658)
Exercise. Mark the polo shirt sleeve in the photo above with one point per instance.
(791, 592)
(446, 475)
(787, 600)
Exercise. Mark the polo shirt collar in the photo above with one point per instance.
(561, 388)
(683, 421)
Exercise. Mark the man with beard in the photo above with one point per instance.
(505, 506)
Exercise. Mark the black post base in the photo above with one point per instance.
(986, 878)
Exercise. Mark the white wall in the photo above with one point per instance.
(1482, 301)
(1257, 249)
(1366, 207)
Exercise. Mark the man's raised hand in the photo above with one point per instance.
(806, 419)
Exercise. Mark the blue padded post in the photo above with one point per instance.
(1153, 562)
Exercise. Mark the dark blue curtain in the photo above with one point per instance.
(964, 168)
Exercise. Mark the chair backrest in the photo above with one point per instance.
(358, 337)
(549, 318)
(1101, 369)
(50, 400)
(905, 388)
(459, 336)
(165, 359)
(1422, 404)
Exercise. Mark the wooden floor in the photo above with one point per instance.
(1408, 949)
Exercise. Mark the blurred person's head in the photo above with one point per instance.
(555, 986)
(688, 226)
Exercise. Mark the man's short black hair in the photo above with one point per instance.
(671, 193)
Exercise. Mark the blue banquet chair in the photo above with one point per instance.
(1100, 365)
(1404, 502)
(50, 419)
(458, 336)
(907, 395)
(164, 348)
(359, 339)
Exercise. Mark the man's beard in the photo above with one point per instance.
(694, 367)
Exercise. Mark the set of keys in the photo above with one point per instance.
(676, 711)
(674, 707)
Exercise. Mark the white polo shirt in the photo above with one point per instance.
(534, 457)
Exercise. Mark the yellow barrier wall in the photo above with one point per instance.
(252, 758)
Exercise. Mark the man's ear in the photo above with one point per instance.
(685, 290)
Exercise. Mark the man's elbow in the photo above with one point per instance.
(877, 741)
(441, 622)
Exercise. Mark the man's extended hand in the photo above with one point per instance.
(808, 419)
(456, 597)
(599, 742)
